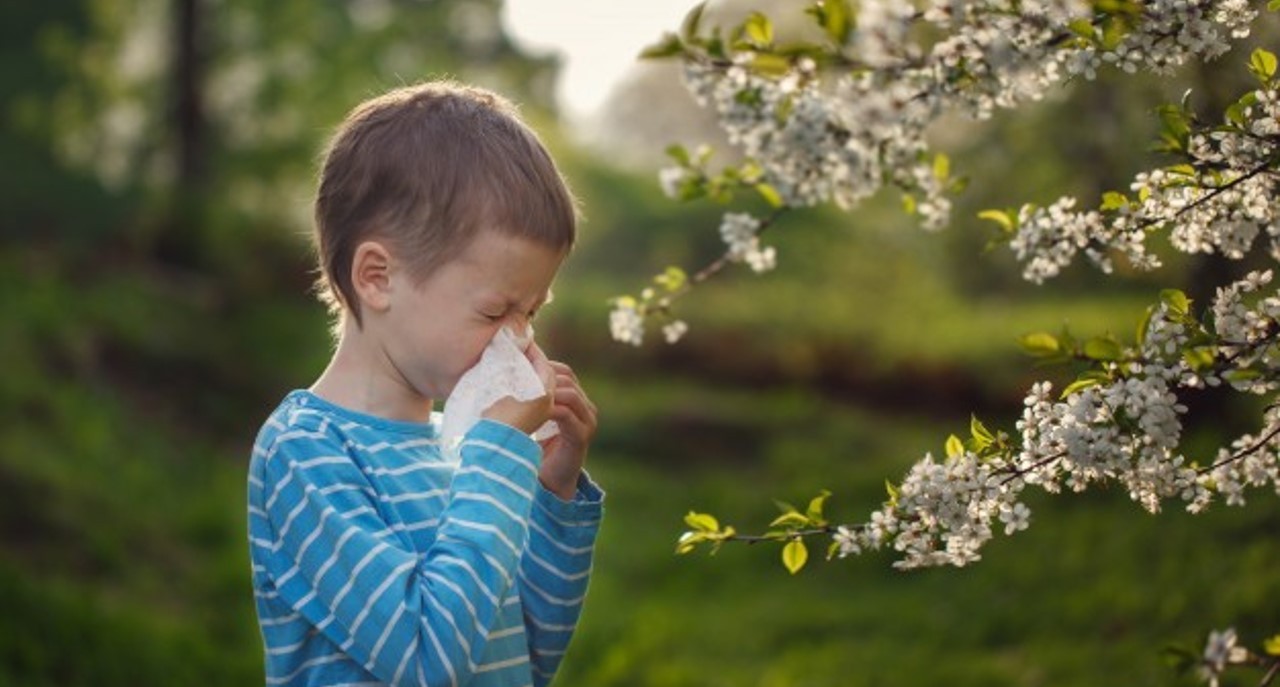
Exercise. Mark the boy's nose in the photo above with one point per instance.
(519, 325)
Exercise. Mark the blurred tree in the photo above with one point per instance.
(186, 101)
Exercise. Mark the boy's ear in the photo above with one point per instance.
(371, 275)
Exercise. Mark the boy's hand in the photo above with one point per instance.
(564, 454)
(528, 416)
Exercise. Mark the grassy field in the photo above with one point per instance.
(133, 559)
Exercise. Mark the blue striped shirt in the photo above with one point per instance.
(377, 560)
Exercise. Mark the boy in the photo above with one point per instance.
(440, 219)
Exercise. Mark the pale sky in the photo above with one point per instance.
(599, 40)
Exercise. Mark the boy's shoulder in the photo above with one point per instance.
(309, 423)
(296, 418)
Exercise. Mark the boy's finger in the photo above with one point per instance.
(564, 369)
(576, 406)
(546, 372)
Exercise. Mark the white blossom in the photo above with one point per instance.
(1219, 652)
(739, 231)
(626, 324)
(673, 331)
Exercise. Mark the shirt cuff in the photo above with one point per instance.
(586, 508)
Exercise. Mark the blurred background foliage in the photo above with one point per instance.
(157, 161)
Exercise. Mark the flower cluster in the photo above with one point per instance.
(832, 136)
(838, 122)
(626, 324)
(1124, 427)
(739, 231)
(1219, 199)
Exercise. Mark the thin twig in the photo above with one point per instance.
(1271, 674)
(1217, 191)
(757, 538)
(1015, 472)
(1252, 449)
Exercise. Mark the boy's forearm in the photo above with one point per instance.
(555, 571)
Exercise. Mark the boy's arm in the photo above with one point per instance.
(406, 618)
(554, 571)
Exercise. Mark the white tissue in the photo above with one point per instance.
(503, 370)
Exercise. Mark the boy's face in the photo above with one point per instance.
(436, 330)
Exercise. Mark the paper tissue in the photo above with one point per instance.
(503, 370)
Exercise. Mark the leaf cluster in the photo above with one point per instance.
(790, 529)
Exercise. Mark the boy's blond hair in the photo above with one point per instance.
(426, 168)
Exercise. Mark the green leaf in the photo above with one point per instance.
(1176, 122)
(979, 430)
(770, 195)
(941, 167)
(782, 112)
(673, 279)
(1271, 645)
(1082, 27)
(689, 541)
(792, 519)
(816, 504)
(785, 507)
(836, 20)
(1084, 382)
(1102, 348)
(770, 64)
(794, 555)
(702, 522)
(1263, 65)
(893, 492)
(667, 46)
(1144, 324)
(678, 153)
(955, 447)
(1274, 5)
(1245, 375)
(1114, 200)
(909, 203)
(1199, 358)
(759, 29)
(689, 27)
(1235, 113)
(1114, 30)
(1040, 344)
(1005, 219)
(1176, 301)
(693, 187)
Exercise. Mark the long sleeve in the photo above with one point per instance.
(407, 618)
(554, 572)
